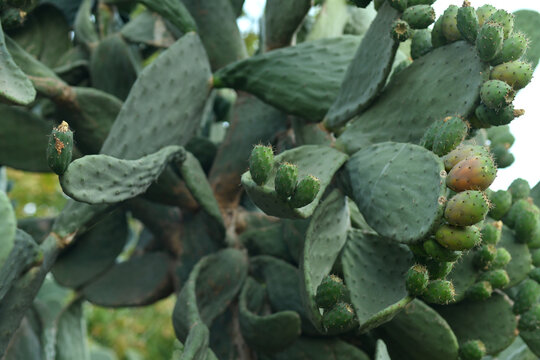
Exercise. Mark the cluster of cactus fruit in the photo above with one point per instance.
(364, 228)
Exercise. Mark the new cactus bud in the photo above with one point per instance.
(489, 41)
(466, 208)
(517, 210)
(484, 256)
(449, 24)
(484, 12)
(463, 152)
(401, 30)
(439, 292)
(513, 49)
(472, 350)
(420, 43)
(467, 22)
(497, 117)
(474, 173)
(520, 189)
(430, 134)
(535, 274)
(530, 320)
(536, 258)
(528, 295)
(517, 74)
(416, 280)
(437, 36)
(440, 253)
(491, 232)
(438, 269)
(60, 148)
(286, 179)
(505, 19)
(458, 238)
(449, 135)
(525, 225)
(501, 202)
(261, 163)
(497, 278)
(502, 258)
(419, 16)
(399, 5)
(331, 291)
(306, 191)
(479, 291)
(340, 318)
(496, 94)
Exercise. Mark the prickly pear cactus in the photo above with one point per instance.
(326, 198)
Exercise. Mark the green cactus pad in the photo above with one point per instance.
(517, 351)
(174, 11)
(420, 86)
(467, 23)
(463, 275)
(515, 73)
(449, 24)
(505, 19)
(382, 181)
(196, 346)
(131, 136)
(266, 333)
(280, 77)
(364, 267)
(141, 30)
(419, 16)
(93, 252)
(527, 21)
(325, 237)
(437, 36)
(8, 226)
(367, 73)
(200, 301)
(513, 49)
(85, 31)
(520, 265)
(449, 135)
(529, 328)
(60, 148)
(420, 43)
(319, 161)
(306, 348)
(417, 333)
(490, 40)
(25, 343)
(381, 352)
(71, 333)
(501, 201)
(281, 20)
(266, 239)
(480, 291)
(466, 208)
(528, 294)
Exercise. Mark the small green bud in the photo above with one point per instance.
(497, 278)
(419, 16)
(261, 163)
(528, 295)
(286, 179)
(340, 318)
(331, 291)
(439, 292)
(502, 258)
(401, 30)
(484, 256)
(530, 320)
(479, 291)
(305, 192)
(472, 350)
(417, 280)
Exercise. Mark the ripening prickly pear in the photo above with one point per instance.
(331, 291)
(399, 5)
(484, 256)
(449, 135)
(439, 292)
(261, 163)
(505, 19)
(458, 238)
(517, 74)
(472, 350)
(497, 278)
(528, 295)
(520, 189)
(438, 269)
(484, 12)
(467, 22)
(463, 152)
(286, 179)
(416, 280)
(491, 232)
(496, 94)
(340, 318)
(420, 43)
(536, 258)
(440, 253)
(466, 208)
(501, 202)
(474, 173)
(401, 30)
(449, 24)
(489, 41)
(530, 320)
(60, 148)
(502, 258)
(497, 117)
(525, 225)
(437, 36)
(361, 3)
(479, 291)
(419, 16)
(306, 191)
(535, 274)
(513, 49)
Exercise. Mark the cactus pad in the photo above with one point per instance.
(528, 21)
(319, 349)
(8, 226)
(520, 265)
(281, 20)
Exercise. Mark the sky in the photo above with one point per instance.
(525, 129)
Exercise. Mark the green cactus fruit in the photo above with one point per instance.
(503, 158)
(496, 94)
(331, 291)
(472, 350)
(497, 117)
(261, 163)
(340, 318)
(491, 232)
(438, 269)
(401, 30)
(479, 291)
(466, 208)
(520, 189)
(286, 179)
(420, 2)
(474, 173)
(416, 280)
(60, 148)
(502, 258)
(439, 292)
(418, 250)
(484, 256)
(501, 202)
(458, 238)
(534, 241)
(535, 274)
(489, 41)
(536, 258)
(528, 294)
(484, 12)
(437, 35)
(449, 24)
(497, 278)
(306, 191)
(505, 19)
(420, 43)
(501, 135)
(517, 74)
(419, 16)
(430, 134)
(477, 123)
(463, 152)
(530, 320)
(518, 208)
(467, 22)
(361, 3)
(513, 49)
(440, 253)
(399, 5)
(450, 134)
(525, 225)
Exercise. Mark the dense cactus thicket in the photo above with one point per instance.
(325, 198)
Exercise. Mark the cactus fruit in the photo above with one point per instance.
(517, 74)
(484, 12)
(502, 258)
(517, 210)
(535, 274)
(340, 318)
(528, 294)
(449, 24)
(472, 350)
(416, 280)
(458, 238)
(501, 202)
(440, 253)
(530, 320)
(430, 134)
(401, 30)
(450, 134)
(491, 232)
(502, 157)
(466, 208)
(261, 163)
(420, 43)
(489, 41)
(484, 256)
(438, 269)
(60, 148)
(496, 94)
(519, 189)
(330, 292)
(305, 192)
(505, 19)
(463, 152)
(474, 173)
(525, 225)
(467, 22)
(419, 16)
(437, 36)
(513, 49)
(420, 2)
(481, 290)
(497, 117)
(286, 180)
(536, 258)
(497, 278)
(439, 292)
(399, 5)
